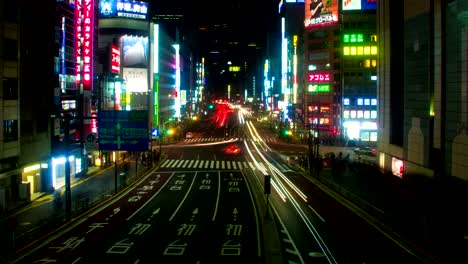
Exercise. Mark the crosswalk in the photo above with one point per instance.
(215, 165)
(213, 139)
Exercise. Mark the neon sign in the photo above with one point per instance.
(319, 88)
(353, 38)
(84, 25)
(115, 59)
(319, 77)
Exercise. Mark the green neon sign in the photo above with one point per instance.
(319, 88)
(353, 38)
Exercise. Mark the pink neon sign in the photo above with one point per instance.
(319, 77)
(84, 25)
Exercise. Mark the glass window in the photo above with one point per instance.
(353, 113)
(373, 114)
(367, 101)
(359, 101)
(346, 114)
(373, 136)
(10, 130)
(374, 101)
(345, 101)
(10, 89)
(366, 114)
(360, 114)
(365, 136)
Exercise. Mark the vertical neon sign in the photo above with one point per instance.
(84, 25)
(177, 80)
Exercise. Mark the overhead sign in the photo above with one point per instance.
(123, 130)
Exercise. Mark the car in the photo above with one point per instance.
(189, 135)
(365, 151)
(232, 150)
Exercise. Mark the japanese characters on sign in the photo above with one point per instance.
(84, 26)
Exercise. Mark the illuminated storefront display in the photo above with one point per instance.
(123, 8)
(320, 13)
(58, 170)
(84, 24)
(319, 77)
(319, 88)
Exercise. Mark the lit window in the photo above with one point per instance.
(374, 63)
(373, 101)
(353, 38)
(373, 50)
(367, 63)
(324, 121)
(346, 50)
(324, 109)
(373, 114)
(359, 50)
(366, 114)
(374, 38)
(359, 101)
(353, 113)
(364, 136)
(346, 114)
(373, 136)
(360, 114)
(345, 101)
(367, 101)
(353, 50)
(366, 50)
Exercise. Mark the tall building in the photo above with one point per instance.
(322, 69)
(28, 77)
(357, 57)
(422, 88)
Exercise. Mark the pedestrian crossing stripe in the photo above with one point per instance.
(201, 140)
(216, 164)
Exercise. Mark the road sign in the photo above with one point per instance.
(123, 130)
(91, 137)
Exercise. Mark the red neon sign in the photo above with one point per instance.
(319, 77)
(84, 25)
(115, 59)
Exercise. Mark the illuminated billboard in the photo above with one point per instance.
(359, 4)
(123, 8)
(320, 13)
(136, 80)
(135, 51)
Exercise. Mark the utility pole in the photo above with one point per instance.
(67, 170)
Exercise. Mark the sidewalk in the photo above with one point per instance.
(26, 223)
(429, 216)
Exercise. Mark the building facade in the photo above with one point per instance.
(422, 88)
